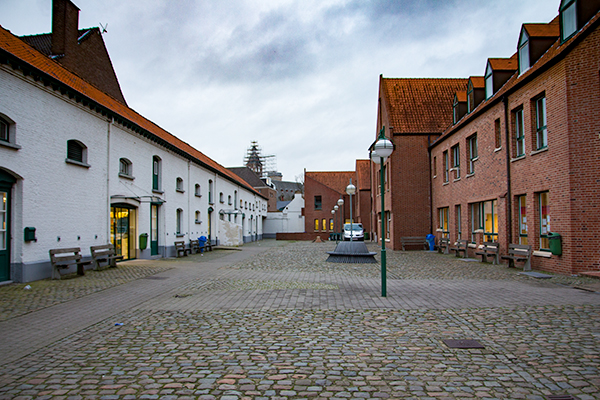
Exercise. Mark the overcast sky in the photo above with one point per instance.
(298, 76)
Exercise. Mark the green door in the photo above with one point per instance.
(154, 229)
(4, 232)
(6, 183)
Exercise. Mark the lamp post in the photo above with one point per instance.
(340, 203)
(381, 150)
(351, 189)
(335, 208)
(332, 220)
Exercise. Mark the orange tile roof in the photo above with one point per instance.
(478, 82)
(461, 96)
(420, 105)
(336, 180)
(505, 64)
(363, 174)
(542, 30)
(52, 73)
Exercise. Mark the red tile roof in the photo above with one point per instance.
(53, 73)
(461, 96)
(505, 64)
(336, 180)
(420, 105)
(478, 82)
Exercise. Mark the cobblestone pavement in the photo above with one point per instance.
(278, 322)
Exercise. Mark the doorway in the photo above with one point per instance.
(123, 222)
(154, 229)
(6, 184)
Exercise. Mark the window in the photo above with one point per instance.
(434, 167)
(229, 199)
(498, 133)
(246, 205)
(318, 202)
(388, 217)
(443, 222)
(179, 185)
(522, 201)
(472, 146)
(76, 152)
(179, 222)
(456, 161)
(519, 134)
(446, 167)
(235, 197)
(197, 218)
(241, 203)
(331, 224)
(523, 52)
(470, 97)
(156, 173)
(544, 221)
(541, 135)
(455, 111)
(324, 225)
(4, 130)
(568, 18)
(197, 190)
(316, 224)
(221, 198)
(125, 168)
(484, 217)
(489, 81)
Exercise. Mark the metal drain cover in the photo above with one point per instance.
(463, 344)
(155, 277)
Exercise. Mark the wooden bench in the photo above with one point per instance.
(105, 254)
(461, 246)
(194, 247)
(489, 249)
(444, 246)
(414, 241)
(519, 253)
(64, 258)
(180, 250)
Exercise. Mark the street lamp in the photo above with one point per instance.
(351, 189)
(332, 220)
(340, 203)
(335, 208)
(381, 150)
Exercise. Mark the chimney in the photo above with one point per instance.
(65, 26)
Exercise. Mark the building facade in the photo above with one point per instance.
(79, 168)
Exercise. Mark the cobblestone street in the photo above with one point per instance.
(276, 321)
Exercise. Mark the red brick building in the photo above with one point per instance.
(516, 163)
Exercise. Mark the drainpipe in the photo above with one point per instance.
(430, 187)
(109, 123)
(508, 163)
(189, 194)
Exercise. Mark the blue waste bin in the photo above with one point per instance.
(201, 243)
(431, 240)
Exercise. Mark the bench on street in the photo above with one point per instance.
(519, 253)
(444, 246)
(461, 246)
(194, 247)
(414, 241)
(65, 258)
(181, 250)
(489, 249)
(105, 254)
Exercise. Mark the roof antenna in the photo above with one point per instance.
(104, 27)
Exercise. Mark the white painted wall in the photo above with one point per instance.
(290, 220)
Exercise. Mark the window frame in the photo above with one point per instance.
(179, 222)
(519, 133)
(446, 167)
(74, 145)
(524, 57)
(10, 132)
(318, 202)
(179, 185)
(473, 153)
(541, 131)
(211, 200)
(456, 161)
(498, 133)
(443, 223)
(522, 212)
(197, 190)
(544, 223)
(565, 9)
(489, 81)
(197, 216)
(125, 168)
(156, 173)
(479, 218)
(470, 97)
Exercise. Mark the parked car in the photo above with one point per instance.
(354, 232)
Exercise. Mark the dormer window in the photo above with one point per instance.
(459, 106)
(524, 63)
(568, 19)
(489, 81)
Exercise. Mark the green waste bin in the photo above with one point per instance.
(143, 241)
(555, 243)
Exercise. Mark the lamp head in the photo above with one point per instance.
(340, 202)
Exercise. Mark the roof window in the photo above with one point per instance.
(523, 52)
(568, 19)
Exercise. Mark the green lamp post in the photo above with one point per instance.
(380, 151)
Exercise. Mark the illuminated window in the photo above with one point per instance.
(544, 220)
(523, 219)
(484, 217)
(443, 222)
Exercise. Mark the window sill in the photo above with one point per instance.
(198, 195)
(157, 191)
(470, 175)
(456, 180)
(445, 183)
(78, 163)
(544, 149)
(9, 145)
(180, 191)
(179, 235)
(122, 175)
(435, 176)
(197, 222)
(542, 253)
(521, 157)
(497, 149)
